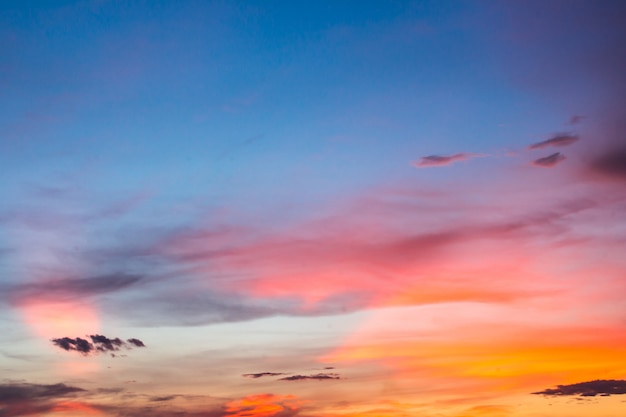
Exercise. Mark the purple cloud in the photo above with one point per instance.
(560, 139)
(441, 160)
(549, 161)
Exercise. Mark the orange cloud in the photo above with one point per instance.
(263, 405)
(75, 407)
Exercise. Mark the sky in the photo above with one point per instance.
(313, 209)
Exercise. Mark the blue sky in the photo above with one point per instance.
(364, 208)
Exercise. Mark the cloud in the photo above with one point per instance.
(21, 399)
(318, 377)
(136, 342)
(602, 387)
(70, 288)
(549, 161)
(99, 343)
(575, 119)
(441, 160)
(262, 374)
(263, 405)
(610, 164)
(558, 140)
(78, 344)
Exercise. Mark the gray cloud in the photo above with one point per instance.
(71, 287)
(98, 344)
(21, 399)
(602, 387)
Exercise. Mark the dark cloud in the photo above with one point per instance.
(318, 377)
(99, 343)
(550, 160)
(441, 160)
(19, 392)
(104, 344)
(603, 387)
(79, 345)
(611, 164)
(560, 139)
(262, 374)
(22, 399)
(136, 342)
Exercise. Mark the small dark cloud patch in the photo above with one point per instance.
(601, 387)
(79, 345)
(611, 164)
(104, 344)
(318, 377)
(549, 161)
(163, 398)
(575, 119)
(441, 160)
(136, 342)
(262, 374)
(98, 344)
(560, 139)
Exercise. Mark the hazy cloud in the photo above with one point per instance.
(560, 139)
(611, 164)
(575, 119)
(441, 160)
(549, 161)
(99, 343)
(603, 387)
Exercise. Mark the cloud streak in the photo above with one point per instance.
(602, 387)
(316, 377)
(442, 160)
(262, 374)
(549, 161)
(558, 140)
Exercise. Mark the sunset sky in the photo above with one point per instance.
(316, 209)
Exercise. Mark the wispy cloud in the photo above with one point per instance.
(317, 377)
(558, 140)
(603, 387)
(442, 160)
(549, 161)
(575, 119)
(262, 374)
